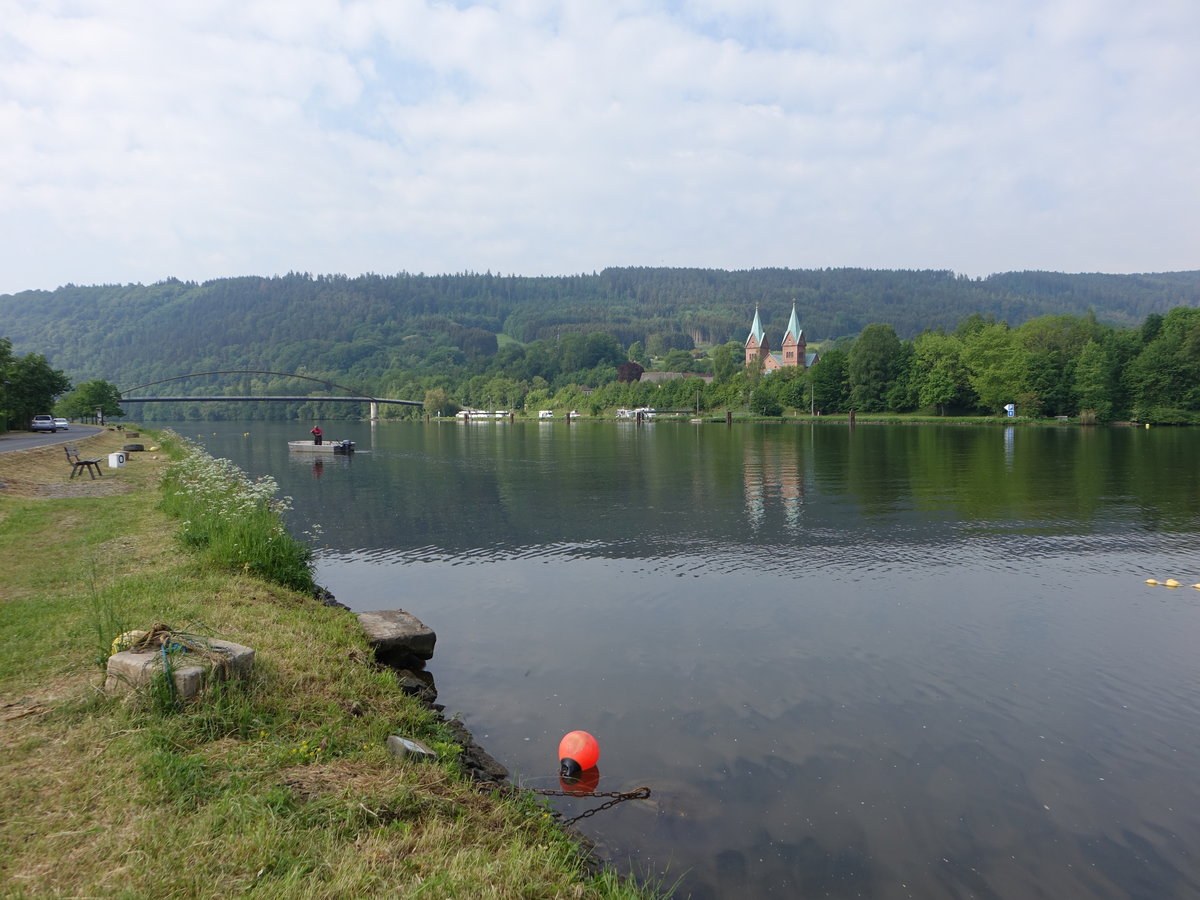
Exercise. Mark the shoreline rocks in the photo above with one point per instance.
(404, 643)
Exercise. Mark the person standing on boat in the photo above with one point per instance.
(317, 433)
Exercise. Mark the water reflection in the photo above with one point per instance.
(771, 473)
(885, 662)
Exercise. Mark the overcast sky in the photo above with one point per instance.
(204, 138)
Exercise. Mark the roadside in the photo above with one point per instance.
(282, 785)
(28, 440)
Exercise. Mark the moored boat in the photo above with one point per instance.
(324, 447)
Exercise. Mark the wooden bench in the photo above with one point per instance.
(91, 465)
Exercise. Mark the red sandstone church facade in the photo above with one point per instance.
(794, 351)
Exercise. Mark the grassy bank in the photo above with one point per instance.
(280, 785)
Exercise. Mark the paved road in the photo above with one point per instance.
(25, 440)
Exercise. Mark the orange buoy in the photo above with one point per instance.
(577, 751)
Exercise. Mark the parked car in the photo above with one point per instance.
(43, 423)
(62, 424)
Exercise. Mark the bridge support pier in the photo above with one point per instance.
(374, 410)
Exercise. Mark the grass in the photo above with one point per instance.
(231, 521)
(280, 784)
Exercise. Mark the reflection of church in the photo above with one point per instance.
(772, 477)
(794, 351)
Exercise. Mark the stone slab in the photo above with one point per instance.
(403, 748)
(130, 669)
(396, 634)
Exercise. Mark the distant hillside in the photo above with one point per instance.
(362, 327)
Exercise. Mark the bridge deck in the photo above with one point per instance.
(194, 399)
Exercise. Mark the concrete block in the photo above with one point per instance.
(131, 669)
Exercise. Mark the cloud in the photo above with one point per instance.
(219, 138)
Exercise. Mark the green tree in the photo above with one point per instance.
(1053, 344)
(763, 400)
(728, 359)
(32, 387)
(875, 362)
(677, 361)
(90, 396)
(6, 359)
(941, 376)
(637, 353)
(1166, 374)
(603, 350)
(831, 382)
(794, 388)
(437, 403)
(996, 365)
(1093, 380)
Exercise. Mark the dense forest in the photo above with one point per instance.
(514, 341)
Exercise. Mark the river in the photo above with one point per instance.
(889, 661)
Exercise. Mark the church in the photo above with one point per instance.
(794, 351)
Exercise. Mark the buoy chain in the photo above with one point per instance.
(640, 793)
(618, 797)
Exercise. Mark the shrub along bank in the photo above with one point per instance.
(281, 784)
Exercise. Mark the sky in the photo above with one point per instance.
(200, 139)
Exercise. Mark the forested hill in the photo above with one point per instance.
(367, 325)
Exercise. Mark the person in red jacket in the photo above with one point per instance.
(317, 434)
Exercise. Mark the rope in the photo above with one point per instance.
(169, 640)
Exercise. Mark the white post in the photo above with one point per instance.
(374, 410)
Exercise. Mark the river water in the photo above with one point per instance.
(893, 661)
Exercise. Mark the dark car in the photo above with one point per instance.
(43, 423)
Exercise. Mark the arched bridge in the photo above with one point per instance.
(358, 397)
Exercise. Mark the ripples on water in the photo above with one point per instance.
(1000, 547)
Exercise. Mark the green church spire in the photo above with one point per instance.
(756, 330)
(793, 326)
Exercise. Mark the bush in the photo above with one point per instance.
(1166, 415)
(763, 404)
(235, 522)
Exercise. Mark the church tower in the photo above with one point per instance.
(795, 348)
(757, 345)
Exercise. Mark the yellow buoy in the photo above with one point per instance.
(1171, 582)
(1151, 581)
(1196, 586)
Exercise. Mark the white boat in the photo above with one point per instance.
(323, 447)
(481, 415)
(545, 414)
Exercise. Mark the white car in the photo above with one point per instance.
(62, 424)
(43, 423)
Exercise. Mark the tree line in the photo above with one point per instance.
(30, 386)
(1048, 366)
(1051, 343)
(1055, 365)
(369, 327)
